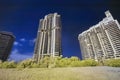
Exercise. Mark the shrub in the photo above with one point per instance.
(75, 64)
(12, 64)
(35, 65)
(73, 58)
(112, 62)
(44, 63)
(7, 64)
(26, 64)
(50, 62)
(64, 62)
(89, 62)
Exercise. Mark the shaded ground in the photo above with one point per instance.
(76, 73)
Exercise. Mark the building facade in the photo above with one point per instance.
(6, 43)
(101, 41)
(48, 42)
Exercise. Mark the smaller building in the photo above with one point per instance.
(6, 43)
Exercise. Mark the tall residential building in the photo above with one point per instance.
(101, 41)
(48, 41)
(6, 43)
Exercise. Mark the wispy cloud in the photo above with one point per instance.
(17, 43)
(17, 56)
(22, 49)
(22, 39)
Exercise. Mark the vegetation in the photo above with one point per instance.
(7, 64)
(49, 62)
(50, 69)
(112, 62)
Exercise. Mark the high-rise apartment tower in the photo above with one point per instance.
(6, 43)
(101, 41)
(48, 42)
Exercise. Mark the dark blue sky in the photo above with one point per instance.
(22, 18)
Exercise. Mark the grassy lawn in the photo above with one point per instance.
(79, 73)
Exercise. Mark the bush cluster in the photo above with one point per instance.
(7, 64)
(74, 62)
(112, 62)
(49, 62)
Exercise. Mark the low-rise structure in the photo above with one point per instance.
(6, 43)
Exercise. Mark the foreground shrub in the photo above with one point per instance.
(35, 65)
(44, 63)
(112, 62)
(50, 62)
(89, 62)
(7, 64)
(66, 62)
(26, 64)
(75, 64)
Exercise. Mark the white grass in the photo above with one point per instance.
(76, 73)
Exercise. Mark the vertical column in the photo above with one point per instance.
(49, 35)
(53, 34)
(100, 41)
(111, 43)
(38, 41)
(93, 43)
(41, 40)
(44, 37)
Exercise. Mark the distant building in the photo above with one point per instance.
(48, 41)
(6, 42)
(101, 41)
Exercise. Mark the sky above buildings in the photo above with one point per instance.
(21, 17)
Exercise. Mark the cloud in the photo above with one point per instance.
(22, 39)
(17, 43)
(16, 56)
